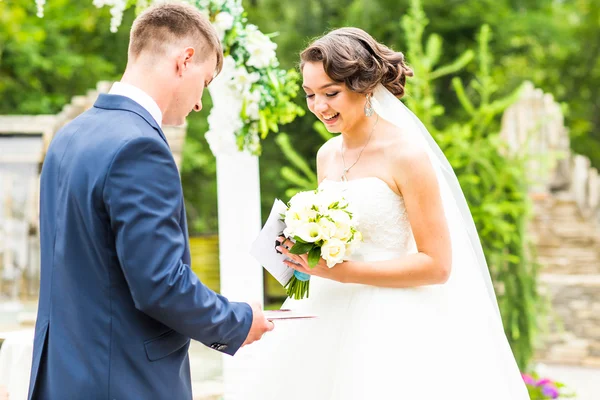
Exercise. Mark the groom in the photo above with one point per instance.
(118, 301)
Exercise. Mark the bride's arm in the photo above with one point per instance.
(416, 179)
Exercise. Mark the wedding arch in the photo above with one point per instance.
(251, 97)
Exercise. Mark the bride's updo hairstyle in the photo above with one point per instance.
(352, 56)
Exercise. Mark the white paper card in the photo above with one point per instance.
(273, 315)
(263, 248)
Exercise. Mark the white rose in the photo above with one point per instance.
(349, 250)
(310, 232)
(223, 22)
(308, 215)
(327, 228)
(252, 110)
(333, 251)
(288, 232)
(327, 198)
(252, 104)
(342, 222)
(233, 6)
(303, 200)
(243, 80)
(339, 217)
(295, 218)
(260, 47)
(224, 82)
(292, 220)
(351, 247)
(342, 232)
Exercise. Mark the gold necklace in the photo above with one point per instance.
(344, 178)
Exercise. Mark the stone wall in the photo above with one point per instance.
(573, 336)
(534, 126)
(565, 190)
(568, 247)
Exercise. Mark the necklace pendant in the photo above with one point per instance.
(344, 177)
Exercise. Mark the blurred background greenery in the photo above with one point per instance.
(555, 44)
(470, 57)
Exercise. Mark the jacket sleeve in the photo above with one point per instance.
(143, 198)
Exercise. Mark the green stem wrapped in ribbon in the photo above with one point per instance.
(298, 286)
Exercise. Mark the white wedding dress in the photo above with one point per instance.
(370, 343)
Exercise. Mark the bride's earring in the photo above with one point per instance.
(368, 106)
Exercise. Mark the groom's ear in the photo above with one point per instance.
(185, 60)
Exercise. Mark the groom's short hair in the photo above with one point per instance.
(160, 25)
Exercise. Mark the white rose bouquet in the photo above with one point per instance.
(321, 225)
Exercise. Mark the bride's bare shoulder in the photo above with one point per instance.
(403, 144)
(405, 153)
(328, 149)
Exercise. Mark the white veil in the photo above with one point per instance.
(460, 221)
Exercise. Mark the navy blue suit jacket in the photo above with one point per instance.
(118, 301)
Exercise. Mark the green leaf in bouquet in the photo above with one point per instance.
(335, 205)
(299, 239)
(314, 255)
(301, 248)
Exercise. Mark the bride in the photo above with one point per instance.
(412, 315)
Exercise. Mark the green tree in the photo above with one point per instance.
(45, 62)
(492, 180)
(536, 40)
(545, 46)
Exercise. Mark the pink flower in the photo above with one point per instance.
(528, 379)
(550, 390)
(543, 382)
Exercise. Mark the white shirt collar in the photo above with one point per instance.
(139, 96)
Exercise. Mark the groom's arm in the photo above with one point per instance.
(142, 194)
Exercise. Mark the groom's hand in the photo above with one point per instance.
(260, 325)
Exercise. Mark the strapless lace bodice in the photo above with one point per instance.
(381, 215)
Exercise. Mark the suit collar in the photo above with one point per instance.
(139, 96)
(118, 102)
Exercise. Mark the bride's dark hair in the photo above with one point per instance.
(352, 56)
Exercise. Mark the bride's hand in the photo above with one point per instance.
(300, 263)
